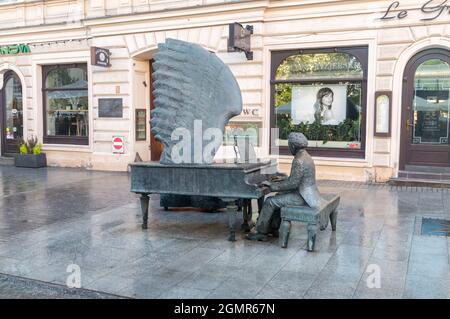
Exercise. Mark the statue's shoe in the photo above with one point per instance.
(256, 237)
(275, 233)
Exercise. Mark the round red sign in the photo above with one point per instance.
(118, 143)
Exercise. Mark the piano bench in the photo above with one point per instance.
(313, 217)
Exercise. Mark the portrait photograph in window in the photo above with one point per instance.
(326, 105)
(321, 93)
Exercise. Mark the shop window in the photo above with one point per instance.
(141, 125)
(66, 106)
(322, 94)
(235, 130)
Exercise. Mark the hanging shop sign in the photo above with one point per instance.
(239, 39)
(15, 49)
(432, 10)
(100, 57)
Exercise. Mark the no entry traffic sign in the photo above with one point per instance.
(118, 145)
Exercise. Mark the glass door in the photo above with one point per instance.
(426, 116)
(431, 103)
(12, 113)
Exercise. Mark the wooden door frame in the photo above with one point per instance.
(2, 116)
(407, 95)
(6, 76)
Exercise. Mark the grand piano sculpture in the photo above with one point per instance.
(194, 93)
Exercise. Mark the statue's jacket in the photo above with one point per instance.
(302, 179)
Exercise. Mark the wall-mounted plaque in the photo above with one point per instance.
(383, 114)
(100, 57)
(110, 107)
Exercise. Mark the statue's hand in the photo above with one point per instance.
(278, 178)
(265, 184)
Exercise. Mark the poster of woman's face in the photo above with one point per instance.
(324, 104)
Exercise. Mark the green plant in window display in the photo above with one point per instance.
(284, 125)
(316, 131)
(346, 131)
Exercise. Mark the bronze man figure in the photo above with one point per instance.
(298, 189)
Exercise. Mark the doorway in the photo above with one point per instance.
(11, 114)
(425, 111)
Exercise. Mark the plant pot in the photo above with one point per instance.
(30, 160)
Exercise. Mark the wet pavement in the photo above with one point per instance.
(31, 198)
(54, 219)
(13, 287)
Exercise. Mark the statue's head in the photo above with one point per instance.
(191, 85)
(297, 142)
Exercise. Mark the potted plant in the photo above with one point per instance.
(30, 155)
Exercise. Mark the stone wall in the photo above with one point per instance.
(278, 25)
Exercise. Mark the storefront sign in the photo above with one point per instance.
(118, 145)
(239, 39)
(320, 66)
(14, 49)
(432, 10)
(110, 107)
(250, 112)
(100, 57)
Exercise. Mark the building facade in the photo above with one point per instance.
(367, 81)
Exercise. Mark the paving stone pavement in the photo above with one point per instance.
(53, 218)
(12, 287)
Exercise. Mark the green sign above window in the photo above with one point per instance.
(14, 49)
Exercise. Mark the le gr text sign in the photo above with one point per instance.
(432, 10)
(14, 49)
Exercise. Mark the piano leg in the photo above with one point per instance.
(232, 213)
(145, 199)
(247, 214)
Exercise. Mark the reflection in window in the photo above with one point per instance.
(321, 96)
(13, 108)
(66, 101)
(431, 102)
(320, 66)
(238, 130)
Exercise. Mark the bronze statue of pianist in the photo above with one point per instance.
(299, 189)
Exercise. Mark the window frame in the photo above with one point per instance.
(49, 139)
(362, 54)
(138, 139)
